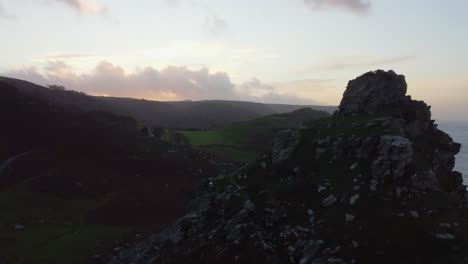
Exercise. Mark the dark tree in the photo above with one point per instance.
(56, 87)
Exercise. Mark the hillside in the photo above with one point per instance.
(73, 182)
(372, 184)
(176, 115)
(244, 141)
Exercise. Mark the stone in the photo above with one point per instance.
(330, 200)
(395, 153)
(321, 188)
(414, 214)
(349, 217)
(353, 199)
(445, 225)
(284, 144)
(444, 236)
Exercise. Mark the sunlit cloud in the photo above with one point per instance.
(85, 7)
(169, 83)
(355, 6)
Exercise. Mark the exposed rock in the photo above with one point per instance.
(284, 144)
(444, 236)
(349, 217)
(373, 92)
(330, 200)
(353, 199)
(395, 153)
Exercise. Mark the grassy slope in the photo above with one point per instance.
(90, 178)
(244, 141)
(55, 230)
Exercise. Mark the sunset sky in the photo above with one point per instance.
(279, 51)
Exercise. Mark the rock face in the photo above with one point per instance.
(373, 92)
(394, 155)
(284, 144)
(373, 184)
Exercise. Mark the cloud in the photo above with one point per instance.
(170, 83)
(67, 56)
(215, 25)
(4, 14)
(85, 7)
(355, 6)
(255, 90)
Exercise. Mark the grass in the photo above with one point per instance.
(54, 229)
(246, 140)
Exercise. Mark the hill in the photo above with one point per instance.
(176, 115)
(72, 182)
(244, 141)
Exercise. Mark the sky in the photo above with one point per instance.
(276, 51)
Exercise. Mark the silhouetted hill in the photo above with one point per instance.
(179, 115)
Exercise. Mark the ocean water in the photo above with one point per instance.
(458, 130)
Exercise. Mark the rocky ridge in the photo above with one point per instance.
(373, 184)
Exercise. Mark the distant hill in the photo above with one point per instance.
(178, 115)
(244, 141)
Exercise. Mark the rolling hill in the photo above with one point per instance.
(176, 115)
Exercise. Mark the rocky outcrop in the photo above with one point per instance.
(394, 154)
(374, 184)
(373, 93)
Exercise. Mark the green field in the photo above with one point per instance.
(246, 140)
(55, 230)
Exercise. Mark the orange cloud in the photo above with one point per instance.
(169, 83)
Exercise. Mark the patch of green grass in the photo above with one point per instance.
(245, 140)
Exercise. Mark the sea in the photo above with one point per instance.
(458, 130)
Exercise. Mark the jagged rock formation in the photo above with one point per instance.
(374, 184)
(373, 92)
